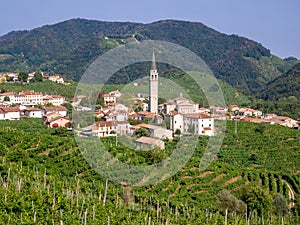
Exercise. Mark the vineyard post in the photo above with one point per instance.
(105, 192)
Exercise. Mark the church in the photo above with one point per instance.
(182, 113)
(153, 87)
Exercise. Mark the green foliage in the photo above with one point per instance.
(177, 132)
(280, 205)
(258, 201)
(142, 132)
(23, 77)
(69, 47)
(282, 108)
(49, 177)
(227, 201)
(38, 77)
(284, 86)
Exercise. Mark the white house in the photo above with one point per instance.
(10, 113)
(109, 98)
(55, 100)
(198, 123)
(57, 109)
(33, 112)
(55, 78)
(123, 127)
(195, 123)
(176, 121)
(148, 143)
(104, 128)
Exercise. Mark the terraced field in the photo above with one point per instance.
(44, 179)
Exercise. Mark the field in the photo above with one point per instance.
(45, 180)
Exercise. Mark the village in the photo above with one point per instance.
(177, 116)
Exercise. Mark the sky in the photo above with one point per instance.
(273, 23)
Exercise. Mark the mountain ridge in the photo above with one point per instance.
(70, 46)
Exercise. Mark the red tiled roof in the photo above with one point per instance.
(105, 123)
(56, 108)
(32, 109)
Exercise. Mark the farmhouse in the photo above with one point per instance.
(147, 143)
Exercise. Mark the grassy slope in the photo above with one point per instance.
(257, 156)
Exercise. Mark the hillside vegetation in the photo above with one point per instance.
(45, 180)
(284, 87)
(70, 46)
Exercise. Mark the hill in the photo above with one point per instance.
(284, 87)
(44, 179)
(69, 47)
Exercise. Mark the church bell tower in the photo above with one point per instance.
(153, 87)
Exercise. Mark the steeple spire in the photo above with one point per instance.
(153, 67)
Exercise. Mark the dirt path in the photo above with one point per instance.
(291, 194)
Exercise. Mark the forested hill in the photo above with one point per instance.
(286, 86)
(69, 47)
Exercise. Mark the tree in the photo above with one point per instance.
(23, 77)
(177, 132)
(259, 201)
(142, 132)
(37, 77)
(6, 99)
(280, 205)
(227, 201)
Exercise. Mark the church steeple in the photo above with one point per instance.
(153, 67)
(153, 87)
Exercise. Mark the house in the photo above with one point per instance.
(168, 107)
(80, 108)
(285, 121)
(55, 100)
(176, 121)
(148, 143)
(28, 98)
(119, 115)
(57, 109)
(108, 98)
(119, 106)
(157, 131)
(116, 93)
(104, 128)
(7, 95)
(33, 112)
(55, 78)
(10, 113)
(192, 123)
(123, 127)
(198, 123)
(56, 120)
(2, 114)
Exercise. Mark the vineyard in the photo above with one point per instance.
(45, 180)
